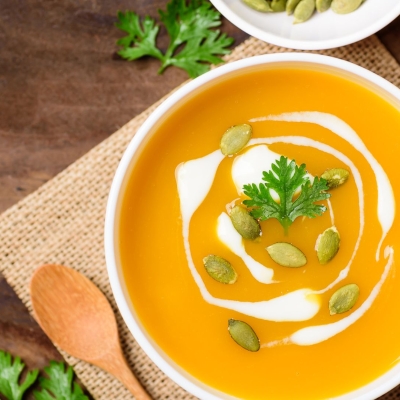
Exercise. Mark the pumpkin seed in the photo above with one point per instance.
(304, 11)
(327, 245)
(287, 255)
(335, 177)
(278, 5)
(243, 334)
(291, 5)
(244, 223)
(345, 6)
(220, 269)
(344, 299)
(322, 5)
(259, 5)
(235, 138)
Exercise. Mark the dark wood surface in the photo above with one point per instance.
(63, 90)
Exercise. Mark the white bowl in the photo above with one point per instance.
(369, 392)
(322, 31)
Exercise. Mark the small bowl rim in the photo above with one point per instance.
(276, 40)
(384, 383)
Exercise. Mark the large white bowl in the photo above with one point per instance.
(322, 31)
(156, 354)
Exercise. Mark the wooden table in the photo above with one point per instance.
(63, 90)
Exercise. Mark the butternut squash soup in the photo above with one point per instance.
(258, 236)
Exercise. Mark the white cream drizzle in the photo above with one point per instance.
(331, 213)
(231, 238)
(194, 180)
(386, 202)
(249, 166)
(319, 333)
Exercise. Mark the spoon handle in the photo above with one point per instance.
(118, 367)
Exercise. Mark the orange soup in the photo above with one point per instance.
(315, 117)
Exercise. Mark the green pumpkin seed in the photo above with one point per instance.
(291, 5)
(235, 138)
(259, 5)
(327, 245)
(244, 223)
(287, 255)
(322, 5)
(344, 299)
(220, 269)
(304, 10)
(345, 6)
(335, 177)
(278, 5)
(243, 334)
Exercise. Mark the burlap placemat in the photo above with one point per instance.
(62, 223)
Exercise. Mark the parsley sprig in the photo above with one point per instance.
(193, 43)
(59, 384)
(10, 372)
(285, 179)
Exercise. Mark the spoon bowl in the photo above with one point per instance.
(77, 317)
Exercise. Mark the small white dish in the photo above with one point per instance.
(322, 31)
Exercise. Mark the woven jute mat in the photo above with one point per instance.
(62, 222)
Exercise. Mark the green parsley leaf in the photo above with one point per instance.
(144, 39)
(285, 179)
(9, 377)
(59, 384)
(193, 44)
(196, 51)
(184, 22)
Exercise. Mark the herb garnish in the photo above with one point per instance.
(59, 384)
(285, 178)
(9, 377)
(188, 25)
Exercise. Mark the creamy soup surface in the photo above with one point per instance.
(175, 212)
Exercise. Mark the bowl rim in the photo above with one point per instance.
(268, 37)
(384, 383)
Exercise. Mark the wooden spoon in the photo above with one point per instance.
(76, 316)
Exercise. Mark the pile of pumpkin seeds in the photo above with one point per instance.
(302, 10)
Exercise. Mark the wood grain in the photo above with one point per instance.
(390, 37)
(64, 89)
(21, 335)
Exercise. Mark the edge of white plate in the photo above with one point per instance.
(245, 26)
